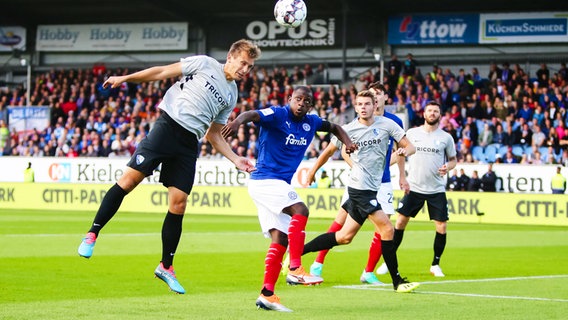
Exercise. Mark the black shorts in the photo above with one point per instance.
(174, 147)
(413, 202)
(361, 204)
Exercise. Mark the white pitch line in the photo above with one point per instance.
(379, 288)
(492, 296)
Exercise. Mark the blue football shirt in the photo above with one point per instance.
(282, 142)
(387, 173)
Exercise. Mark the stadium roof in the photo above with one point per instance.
(33, 12)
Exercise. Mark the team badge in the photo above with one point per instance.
(373, 202)
(139, 159)
(292, 195)
(306, 127)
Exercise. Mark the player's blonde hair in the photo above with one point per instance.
(247, 46)
(366, 94)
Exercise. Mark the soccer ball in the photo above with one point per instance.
(290, 13)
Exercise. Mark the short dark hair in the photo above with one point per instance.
(433, 103)
(378, 86)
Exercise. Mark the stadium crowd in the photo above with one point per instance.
(508, 116)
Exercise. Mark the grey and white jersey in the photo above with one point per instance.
(369, 159)
(203, 95)
(432, 150)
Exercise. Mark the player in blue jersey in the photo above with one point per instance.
(198, 104)
(285, 134)
(384, 196)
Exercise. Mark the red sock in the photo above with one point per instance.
(375, 252)
(296, 239)
(333, 228)
(273, 265)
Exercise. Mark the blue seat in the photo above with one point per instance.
(480, 124)
(478, 154)
(503, 150)
(558, 157)
(490, 153)
(518, 150)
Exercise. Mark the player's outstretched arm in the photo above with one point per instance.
(232, 127)
(343, 137)
(146, 75)
(220, 144)
(320, 161)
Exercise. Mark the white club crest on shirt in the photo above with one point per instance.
(292, 195)
(139, 159)
(306, 127)
(376, 131)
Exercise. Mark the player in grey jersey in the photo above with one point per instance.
(435, 157)
(201, 101)
(371, 134)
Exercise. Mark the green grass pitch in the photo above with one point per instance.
(492, 272)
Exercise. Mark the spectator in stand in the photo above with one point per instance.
(553, 141)
(537, 158)
(486, 136)
(499, 136)
(4, 133)
(543, 75)
(538, 138)
(394, 66)
(526, 112)
(506, 73)
(550, 157)
(510, 157)
(525, 136)
(510, 137)
(463, 180)
(560, 129)
(474, 183)
(453, 183)
(494, 72)
(409, 66)
(489, 180)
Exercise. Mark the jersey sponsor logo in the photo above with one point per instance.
(213, 77)
(428, 150)
(288, 124)
(292, 140)
(368, 143)
(217, 95)
(306, 127)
